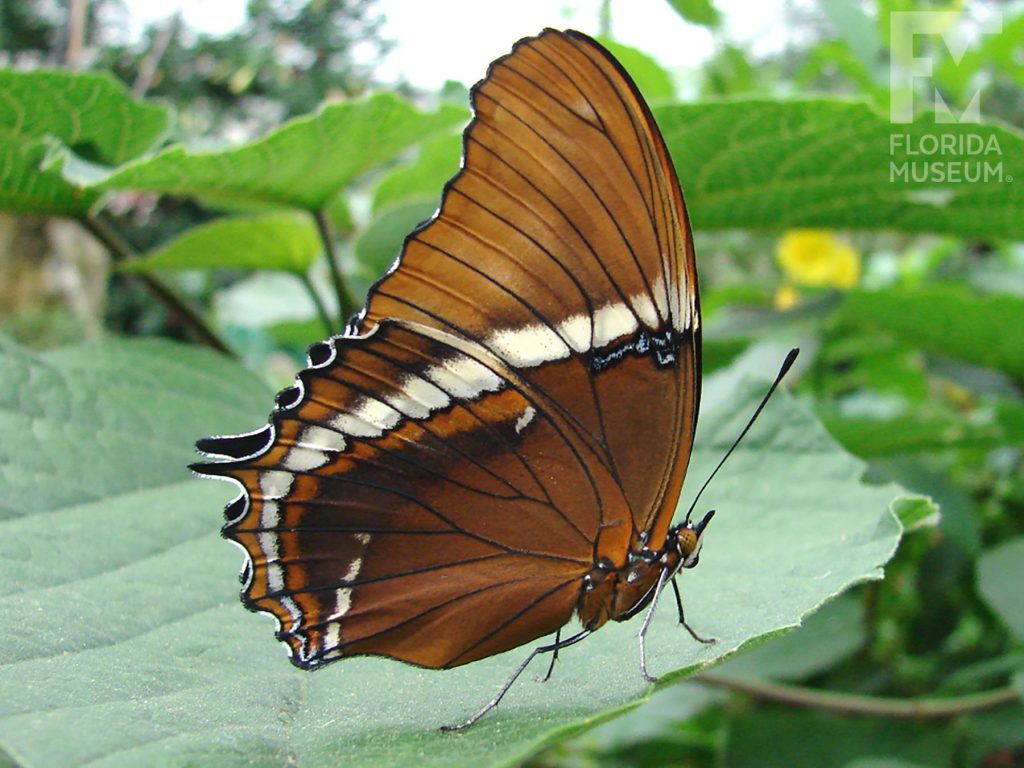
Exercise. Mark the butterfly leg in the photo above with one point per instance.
(554, 656)
(682, 618)
(556, 646)
(647, 623)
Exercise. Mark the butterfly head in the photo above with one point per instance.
(689, 538)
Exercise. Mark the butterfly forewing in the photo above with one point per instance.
(564, 238)
(515, 404)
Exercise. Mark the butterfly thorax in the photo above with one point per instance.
(619, 593)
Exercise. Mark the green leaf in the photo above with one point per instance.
(120, 599)
(701, 12)
(339, 215)
(760, 164)
(302, 164)
(657, 719)
(286, 241)
(93, 114)
(947, 319)
(1000, 51)
(829, 636)
(296, 334)
(1000, 575)
(27, 187)
(814, 740)
(959, 518)
(910, 433)
(987, 734)
(830, 57)
(381, 242)
(650, 77)
(438, 161)
(266, 298)
(857, 30)
(98, 424)
(917, 512)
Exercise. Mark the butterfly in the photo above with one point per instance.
(497, 443)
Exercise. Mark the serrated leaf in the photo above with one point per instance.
(1000, 575)
(93, 114)
(437, 162)
(285, 241)
(302, 164)
(120, 601)
(945, 319)
(27, 187)
(760, 164)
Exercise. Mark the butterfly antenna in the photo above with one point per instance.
(786, 365)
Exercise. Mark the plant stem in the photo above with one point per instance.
(178, 305)
(321, 310)
(855, 704)
(346, 304)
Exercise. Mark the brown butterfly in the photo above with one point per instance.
(498, 442)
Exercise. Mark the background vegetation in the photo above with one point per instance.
(240, 193)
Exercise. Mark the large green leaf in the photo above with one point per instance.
(95, 423)
(826, 638)
(438, 161)
(946, 319)
(381, 242)
(120, 600)
(302, 164)
(27, 187)
(282, 240)
(909, 433)
(93, 114)
(760, 164)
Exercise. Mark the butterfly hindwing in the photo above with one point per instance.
(373, 509)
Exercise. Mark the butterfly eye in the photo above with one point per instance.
(687, 538)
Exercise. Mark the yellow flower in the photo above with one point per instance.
(817, 257)
(786, 297)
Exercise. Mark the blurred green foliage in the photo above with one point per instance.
(918, 369)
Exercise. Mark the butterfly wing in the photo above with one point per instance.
(518, 401)
(412, 498)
